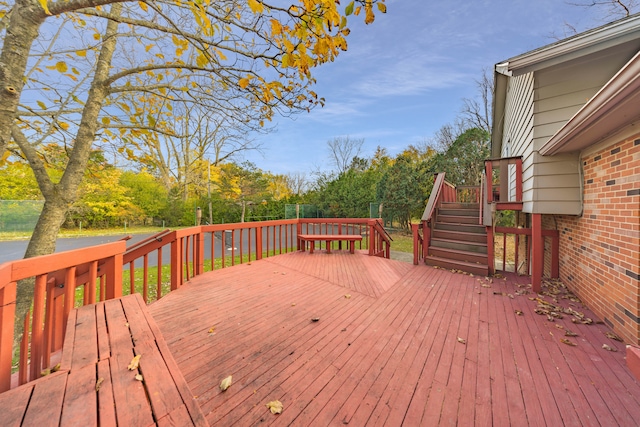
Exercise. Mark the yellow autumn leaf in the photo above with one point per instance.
(256, 6)
(41, 105)
(82, 53)
(202, 60)
(143, 6)
(275, 407)
(382, 7)
(134, 363)
(43, 3)
(244, 83)
(63, 125)
(106, 121)
(225, 383)
(62, 66)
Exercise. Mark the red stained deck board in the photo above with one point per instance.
(85, 343)
(350, 345)
(80, 405)
(46, 402)
(14, 404)
(369, 364)
(401, 366)
(360, 403)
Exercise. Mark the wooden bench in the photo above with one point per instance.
(94, 385)
(303, 239)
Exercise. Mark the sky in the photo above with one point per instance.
(406, 75)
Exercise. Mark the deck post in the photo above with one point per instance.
(491, 261)
(537, 252)
(489, 169)
(114, 278)
(7, 314)
(199, 257)
(176, 264)
(426, 239)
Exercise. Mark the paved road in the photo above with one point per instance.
(14, 249)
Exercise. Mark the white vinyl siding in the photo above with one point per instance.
(518, 127)
(560, 91)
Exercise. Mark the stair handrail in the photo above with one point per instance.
(441, 191)
(433, 197)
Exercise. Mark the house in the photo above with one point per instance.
(571, 112)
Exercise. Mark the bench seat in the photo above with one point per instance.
(303, 239)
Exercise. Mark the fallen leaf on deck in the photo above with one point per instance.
(519, 312)
(486, 286)
(559, 326)
(569, 333)
(293, 304)
(462, 340)
(134, 363)
(55, 368)
(225, 383)
(315, 319)
(212, 329)
(613, 336)
(139, 377)
(275, 407)
(347, 296)
(608, 348)
(99, 383)
(45, 372)
(567, 342)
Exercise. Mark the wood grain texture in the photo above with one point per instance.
(388, 354)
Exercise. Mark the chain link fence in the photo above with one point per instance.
(301, 211)
(19, 215)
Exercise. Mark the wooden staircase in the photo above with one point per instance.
(458, 240)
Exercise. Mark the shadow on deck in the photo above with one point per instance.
(393, 344)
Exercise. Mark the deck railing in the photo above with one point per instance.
(510, 242)
(156, 265)
(498, 192)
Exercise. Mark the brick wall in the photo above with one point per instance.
(600, 251)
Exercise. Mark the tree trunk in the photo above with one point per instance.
(24, 23)
(59, 197)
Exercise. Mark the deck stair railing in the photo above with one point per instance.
(65, 280)
(442, 191)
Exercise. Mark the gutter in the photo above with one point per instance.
(622, 88)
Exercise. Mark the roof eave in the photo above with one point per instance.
(605, 113)
(590, 41)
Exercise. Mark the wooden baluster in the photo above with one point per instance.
(145, 278)
(159, 278)
(37, 347)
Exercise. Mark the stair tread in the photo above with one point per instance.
(458, 262)
(459, 251)
(458, 241)
(463, 233)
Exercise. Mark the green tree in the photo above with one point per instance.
(402, 189)
(463, 161)
(145, 191)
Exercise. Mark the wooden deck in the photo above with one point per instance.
(393, 344)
